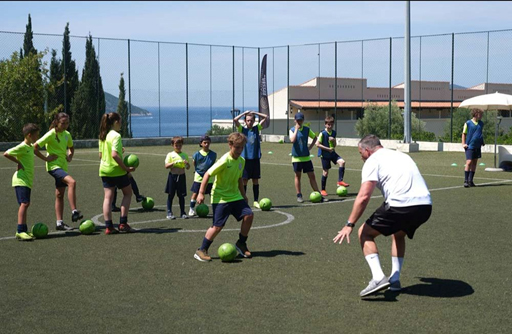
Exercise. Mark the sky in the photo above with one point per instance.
(254, 23)
(157, 70)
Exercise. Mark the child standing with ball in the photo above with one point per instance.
(202, 160)
(176, 162)
(228, 197)
(23, 156)
(60, 151)
(113, 172)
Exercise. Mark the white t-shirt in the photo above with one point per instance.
(398, 178)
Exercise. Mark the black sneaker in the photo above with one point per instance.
(116, 209)
(76, 215)
(471, 184)
(140, 198)
(466, 184)
(242, 249)
(64, 227)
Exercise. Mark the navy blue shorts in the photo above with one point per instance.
(472, 154)
(326, 162)
(58, 174)
(197, 185)
(22, 194)
(304, 166)
(390, 220)
(176, 184)
(252, 169)
(221, 211)
(116, 181)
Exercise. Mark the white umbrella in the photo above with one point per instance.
(494, 101)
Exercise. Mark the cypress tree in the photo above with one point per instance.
(28, 45)
(70, 73)
(122, 109)
(55, 86)
(88, 104)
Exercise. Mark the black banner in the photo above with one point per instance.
(263, 100)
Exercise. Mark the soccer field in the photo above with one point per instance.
(456, 274)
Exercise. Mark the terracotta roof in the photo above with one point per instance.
(358, 104)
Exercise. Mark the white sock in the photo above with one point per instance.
(374, 263)
(396, 267)
(74, 211)
(60, 222)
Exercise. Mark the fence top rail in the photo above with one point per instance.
(261, 47)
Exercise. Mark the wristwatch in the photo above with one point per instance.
(349, 224)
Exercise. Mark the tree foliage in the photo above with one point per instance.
(122, 109)
(461, 116)
(22, 94)
(376, 121)
(89, 102)
(28, 44)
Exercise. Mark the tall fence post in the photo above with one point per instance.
(159, 105)
(186, 80)
(288, 93)
(451, 98)
(129, 88)
(336, 85)
(390, 78)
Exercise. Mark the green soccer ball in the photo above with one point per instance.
(148, 203)
(87, 227)
(40, 230)
(341, 191)
(227, 252)
(265, 204)
(131, 160)
(315, 197)
(281, 141)
(202, 210)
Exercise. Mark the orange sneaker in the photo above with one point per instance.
(324, 193)
(341, 183)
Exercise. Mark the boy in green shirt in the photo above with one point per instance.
(23, 156)
(228, 197)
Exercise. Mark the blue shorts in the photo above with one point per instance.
(472, 154)
(58, 174)
(304, 166)
(176, 184)
(252, 169)
(390, 220)
(116, 181)
(326, 162)
(22, 194)
(221, 211)
(197, 185)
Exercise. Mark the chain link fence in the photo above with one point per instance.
(184, 88)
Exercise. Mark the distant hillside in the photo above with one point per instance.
(111, 103)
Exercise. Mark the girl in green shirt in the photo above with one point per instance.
(113, 172)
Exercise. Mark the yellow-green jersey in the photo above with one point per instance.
(228, 172)
(25, 154)
(178, 159)
(108, 166)
(56, 143)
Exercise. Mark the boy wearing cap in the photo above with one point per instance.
(252, 150)
(301, 160)
(202, 161)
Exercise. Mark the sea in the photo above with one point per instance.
(172, 121)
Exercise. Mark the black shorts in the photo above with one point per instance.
(326, 162)
(472, 154)
(116, 181)
(58, 174)
(304, 166)
(176, 184)
(22, 194)
(221, 211)
(252, 169)
(389, 220)
(197, 185)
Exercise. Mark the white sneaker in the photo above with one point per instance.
(171, 216)
(191, 212)
(375, 286)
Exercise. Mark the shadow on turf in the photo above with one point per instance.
(431, 287)
(274, 253)
(439, 288)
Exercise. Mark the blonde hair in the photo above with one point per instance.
(237, 138)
